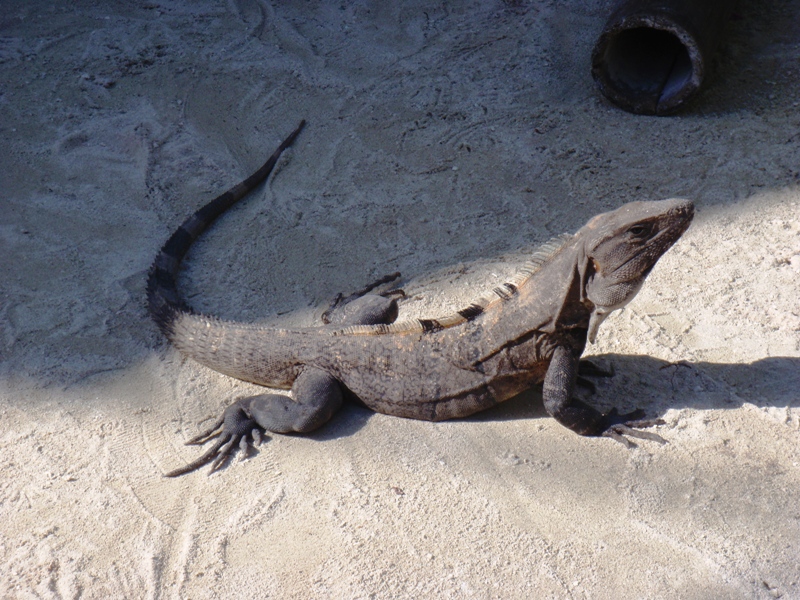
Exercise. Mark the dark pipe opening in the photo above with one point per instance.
(652, 55)
(648, 63)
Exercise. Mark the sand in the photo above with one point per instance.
(442, 137)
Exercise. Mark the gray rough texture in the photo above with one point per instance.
(530, 329)
(445, 132)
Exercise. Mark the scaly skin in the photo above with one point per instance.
(530, 330)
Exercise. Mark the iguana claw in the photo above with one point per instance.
(628, 424)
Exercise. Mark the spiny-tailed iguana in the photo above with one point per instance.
(529, 330)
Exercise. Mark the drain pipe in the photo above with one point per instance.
(653, 55)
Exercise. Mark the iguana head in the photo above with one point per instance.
(621, 247)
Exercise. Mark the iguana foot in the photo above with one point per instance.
(232, 428)
(618, 426)
(559, 382)
(361, 315)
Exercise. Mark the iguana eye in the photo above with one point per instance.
(639, 230)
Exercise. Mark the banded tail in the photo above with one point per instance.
(163, 299)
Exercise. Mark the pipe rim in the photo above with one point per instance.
(680, 84)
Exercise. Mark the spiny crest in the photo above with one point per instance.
(497, 296)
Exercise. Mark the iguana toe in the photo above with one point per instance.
(629, 424)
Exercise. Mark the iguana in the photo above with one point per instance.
(532, 329)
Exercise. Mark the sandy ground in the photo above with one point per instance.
(439, 134)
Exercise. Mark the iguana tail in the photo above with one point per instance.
(163, 299)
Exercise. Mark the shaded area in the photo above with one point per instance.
(657, 386)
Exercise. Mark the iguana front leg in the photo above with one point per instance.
(559, 383)
(316, 396)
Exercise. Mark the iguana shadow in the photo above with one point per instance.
(640, 382)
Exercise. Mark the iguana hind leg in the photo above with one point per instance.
(316, 394)
(559, 383)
